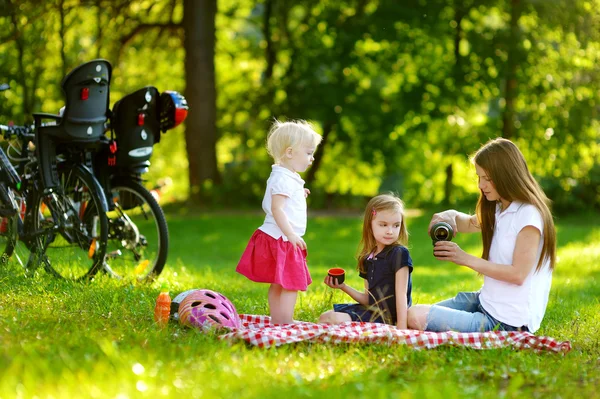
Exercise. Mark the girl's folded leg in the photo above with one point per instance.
(467, 301)
(441, 318)
(333, 317)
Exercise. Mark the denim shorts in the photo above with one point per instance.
(464, 313)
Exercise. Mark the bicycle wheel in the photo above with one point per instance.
(138, 237)
(9, 222)
(70, 226)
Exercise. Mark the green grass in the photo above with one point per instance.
(61, 339)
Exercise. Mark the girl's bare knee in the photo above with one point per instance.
(333, 317)
(327, 317)
(417, 317)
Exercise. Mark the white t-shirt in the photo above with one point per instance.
(287, 183)
(517, 305)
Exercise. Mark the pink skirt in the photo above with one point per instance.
(267, 260)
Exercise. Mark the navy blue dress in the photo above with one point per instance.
(381, 275)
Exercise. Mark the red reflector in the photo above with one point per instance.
(180, 115)
(85, 93)
(141, 118)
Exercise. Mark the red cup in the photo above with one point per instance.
(337, 273)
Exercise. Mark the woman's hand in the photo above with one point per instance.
(332, 283)
(460, 222)
(306, 192)
(448, 216)
(451, 252)
(296, 241)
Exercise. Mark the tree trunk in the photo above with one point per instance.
(22, 78)
(449, 185)
(269, 50)
(99, 29)
(310, 177)
(200, 92)
(459, 78)
(510, 89)
(61, 32)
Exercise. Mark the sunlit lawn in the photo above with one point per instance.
(59, 339)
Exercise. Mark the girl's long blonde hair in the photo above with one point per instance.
(383, 202)
(505, 165)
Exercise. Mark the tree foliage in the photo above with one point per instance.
(402, 92)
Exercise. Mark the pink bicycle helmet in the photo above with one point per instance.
(206, 308)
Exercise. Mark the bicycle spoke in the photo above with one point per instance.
(73, 230)
(138, 237)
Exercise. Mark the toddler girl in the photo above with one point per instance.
(276, 253)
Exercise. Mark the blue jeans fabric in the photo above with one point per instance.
(464, 313)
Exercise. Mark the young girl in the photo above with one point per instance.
(519, 250)
(276, 252)
(386, 266)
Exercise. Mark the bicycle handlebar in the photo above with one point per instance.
(22, 132)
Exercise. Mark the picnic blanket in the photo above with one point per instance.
(257, 330)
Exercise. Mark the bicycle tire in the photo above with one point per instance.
(135, 250)
(74, 248)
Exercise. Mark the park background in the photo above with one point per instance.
(402, 92)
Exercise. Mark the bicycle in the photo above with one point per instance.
(11, 205)
(10, 183)
(39, 219)
(138, 239)
(69, 213)
(126, 236)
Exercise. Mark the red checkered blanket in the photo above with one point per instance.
(258, 331)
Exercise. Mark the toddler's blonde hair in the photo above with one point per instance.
(295, 134)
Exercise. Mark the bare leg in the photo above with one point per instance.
(281, 304)
(274, 295)
(332, 317)
(286, 304)
(417, 317)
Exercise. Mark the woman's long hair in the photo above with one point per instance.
(383, 202)
(505, 165)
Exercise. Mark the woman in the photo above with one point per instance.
(519, 250)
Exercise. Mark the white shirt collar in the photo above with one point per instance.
(512, 208)
(287, 172)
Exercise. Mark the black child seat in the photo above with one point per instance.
(86, 91)
(136, 126)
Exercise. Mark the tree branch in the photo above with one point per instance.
(270, 51)
(147, 26)
(142, 27)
